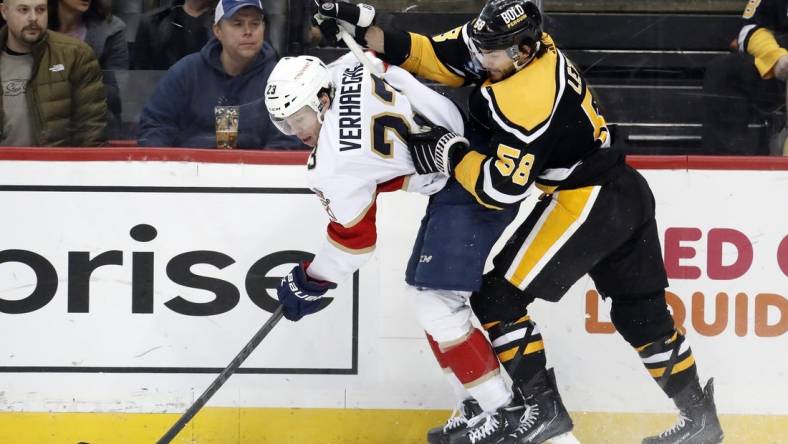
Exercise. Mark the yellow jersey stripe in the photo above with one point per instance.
(546, 189)
(423, 62)
(492, 324)
(552, 230)
(679, 367)
(467, 174)
(525, 318)
(764, 47)
(529, 107)
(532, 347)
(672, 338)
(596, 120)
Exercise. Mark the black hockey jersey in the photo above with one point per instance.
(543, 123)
(763, 33)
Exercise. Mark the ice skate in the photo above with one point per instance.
(487, 428)
(543, 417)
(697, 423)
(458, 421)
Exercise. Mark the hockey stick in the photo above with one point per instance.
(357, 51)
(361, 56)
(222, 378)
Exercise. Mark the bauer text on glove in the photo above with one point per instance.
(301, 295)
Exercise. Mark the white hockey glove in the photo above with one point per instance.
(435, 150)
(355, 19)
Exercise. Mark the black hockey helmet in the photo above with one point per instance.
(504, 23)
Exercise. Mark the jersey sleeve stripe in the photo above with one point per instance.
(467, 174)
(764, 47)
(557, 175)
(361, 216)
(744, 37)
(494, 194)
(360, 238)
(396, 184)
(338, 245)
(424, 62)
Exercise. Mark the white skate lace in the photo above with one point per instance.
(490, 426)
(676, 427)
(456, 420)
(528, 419)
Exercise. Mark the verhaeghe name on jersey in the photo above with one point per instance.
(350, 108)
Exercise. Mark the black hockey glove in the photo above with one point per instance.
(329, 29)
(300, 295)
(355, 19)
(436, 150)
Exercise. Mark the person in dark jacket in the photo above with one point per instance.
(52, 86)
(230, 70)
(92, 22)
(739, 87)
(169, 33)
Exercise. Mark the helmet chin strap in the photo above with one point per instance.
(519, 61)
(322, 109)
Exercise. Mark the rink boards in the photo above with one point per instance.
(129, 279)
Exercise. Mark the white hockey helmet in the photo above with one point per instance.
(295, 83)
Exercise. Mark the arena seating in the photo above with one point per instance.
(646, 67)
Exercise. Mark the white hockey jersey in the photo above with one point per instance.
(362, 150)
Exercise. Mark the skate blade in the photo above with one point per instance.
(564, 438)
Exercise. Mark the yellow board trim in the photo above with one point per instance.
(335, 426)
(568, 208)
(532, 347)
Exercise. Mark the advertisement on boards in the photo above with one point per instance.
(167, 268)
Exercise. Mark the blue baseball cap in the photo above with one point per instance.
(227, 8)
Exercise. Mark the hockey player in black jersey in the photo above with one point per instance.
(595, 215)
(751, 82)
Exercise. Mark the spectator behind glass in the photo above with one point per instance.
(230, 70)
(52, 89)
(738, 87)
(92, 22)
(167, 34)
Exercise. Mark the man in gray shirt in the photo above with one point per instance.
(53, 93)
(16, 70)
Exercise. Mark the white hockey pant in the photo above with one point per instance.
(444, 314)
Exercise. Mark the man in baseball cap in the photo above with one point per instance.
(230, 71)
(227, 8)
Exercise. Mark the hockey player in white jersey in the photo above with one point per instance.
(357, 124)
